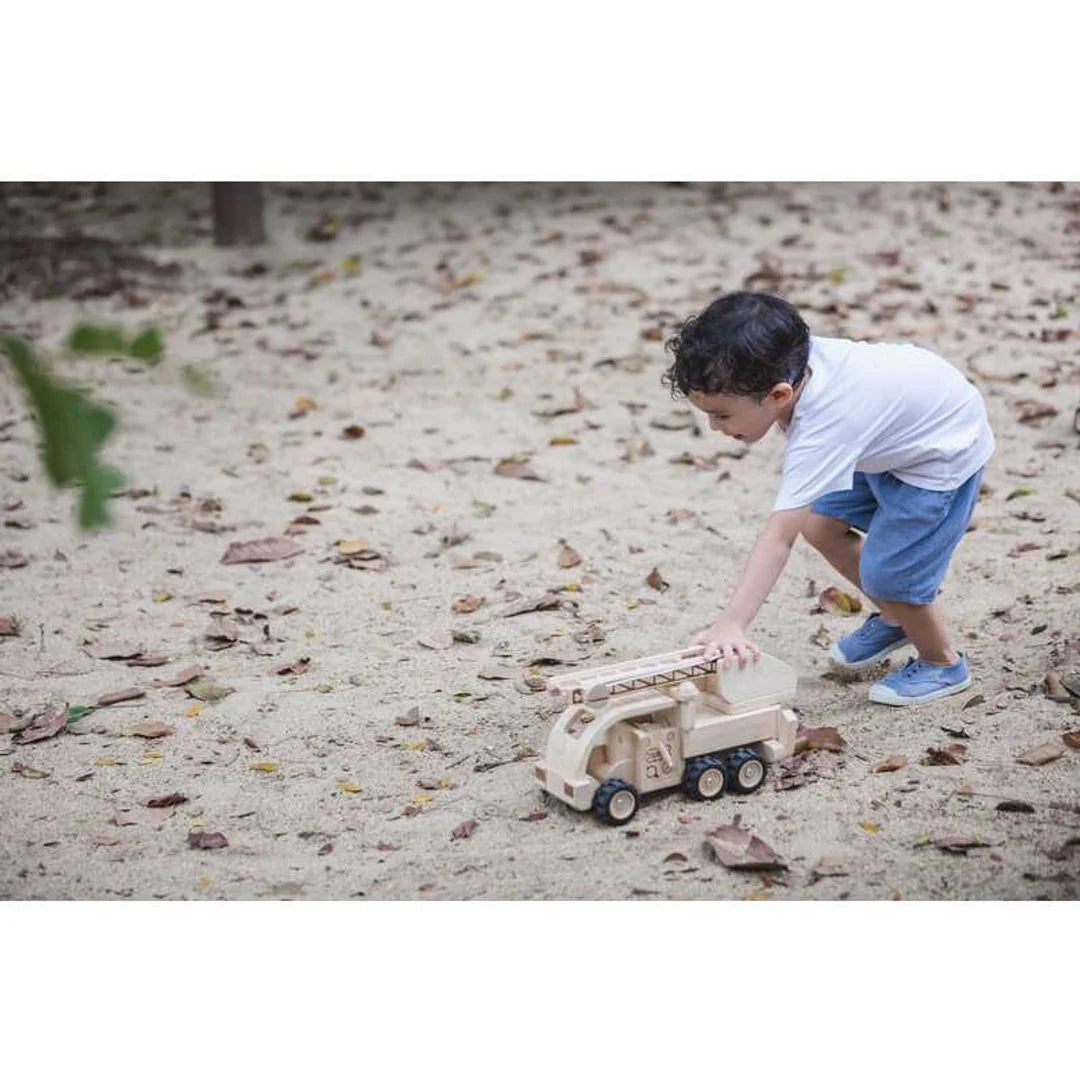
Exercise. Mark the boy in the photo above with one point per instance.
(889, 440)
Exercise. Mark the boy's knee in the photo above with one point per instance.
(822, 531)
(879, 582)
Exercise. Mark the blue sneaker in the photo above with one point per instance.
(919, 681)
(868, 645)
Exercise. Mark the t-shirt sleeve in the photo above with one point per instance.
(813, 468)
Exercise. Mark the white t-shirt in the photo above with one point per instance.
(881, 408)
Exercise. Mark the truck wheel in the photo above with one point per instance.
(704, 778)
(615, 802)
(745, 770)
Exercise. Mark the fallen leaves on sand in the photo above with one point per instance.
(953, 754)
(46, 726)
(957, 845)
(8, 626)
(150, 729)
(534, 815)
(463, 831)
(28, 772)
(410, 719)
(204, 690)
(353, 431)
(185, 676)
(297, 667)
(517, 468)
(267, 550)
(676, 420)
(1041, 754)
(131, 694)
(655, 581)
(545, 602)
(1071, 739)
(830, 866)
(891, 764)
(302, 406)
(149, 660)
(175, 799)
(1015, 806)
(206, 841)
(834, 601)
(738, 849)
(819, 738)
(821, 637)
(1056, 686)
(975, 699)
(9, 724)
(264, 766)
(347, 787)
(568, 557)
(465, 605)
(436, 642)
(869, 826)
(562, 410)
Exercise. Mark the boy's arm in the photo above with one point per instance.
(726, 637)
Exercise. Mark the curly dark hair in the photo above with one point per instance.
(742, 344)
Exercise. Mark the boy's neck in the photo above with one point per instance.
(785, 418)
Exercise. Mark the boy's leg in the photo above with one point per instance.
(842, 547)
(923, 624)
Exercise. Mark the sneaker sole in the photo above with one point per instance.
(837, 657)
(885, 695)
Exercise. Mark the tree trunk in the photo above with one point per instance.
(238, 214)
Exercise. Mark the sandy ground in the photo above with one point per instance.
(467, 312)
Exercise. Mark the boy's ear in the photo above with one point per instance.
(781, 394)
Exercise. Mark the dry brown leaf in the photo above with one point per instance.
(567, 555)
(1041, 754)
(1056, 690)
(131, 694)
(1030, 411)
(11, 724)
(297, 667)
(821, 637)
(151, 660)
(542, 603)
(819, 738)
(891, 764)
(738, 849)
(1016, 806)
(655, 581)
(410, 719)
(352, 547)
(830, 866)
(49, 724)
(181, 678)
(206, 841)
(562, 410)
(438, 642)
(464, 605)
(268, 550)
(205, 690)
(8, 626)
(953, 754)
(957, 845)
(151, 729)
(517, 468)
(175, 799)
(301, 407)
(463, 831)
(1072, 739)
(835, 601)
(28, 772)
(353, 431)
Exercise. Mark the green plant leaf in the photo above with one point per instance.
(87, 338)
(147, 346)
(73, 429)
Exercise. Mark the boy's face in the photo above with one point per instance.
(743, 418)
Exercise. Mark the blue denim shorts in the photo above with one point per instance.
(911, 532)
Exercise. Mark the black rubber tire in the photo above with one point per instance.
(734, 765)
(602, 801)
(696, 767)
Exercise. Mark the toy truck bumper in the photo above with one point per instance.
(578, 794)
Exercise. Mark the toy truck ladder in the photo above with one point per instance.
(596, 684)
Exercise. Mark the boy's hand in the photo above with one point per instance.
(727, 640)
